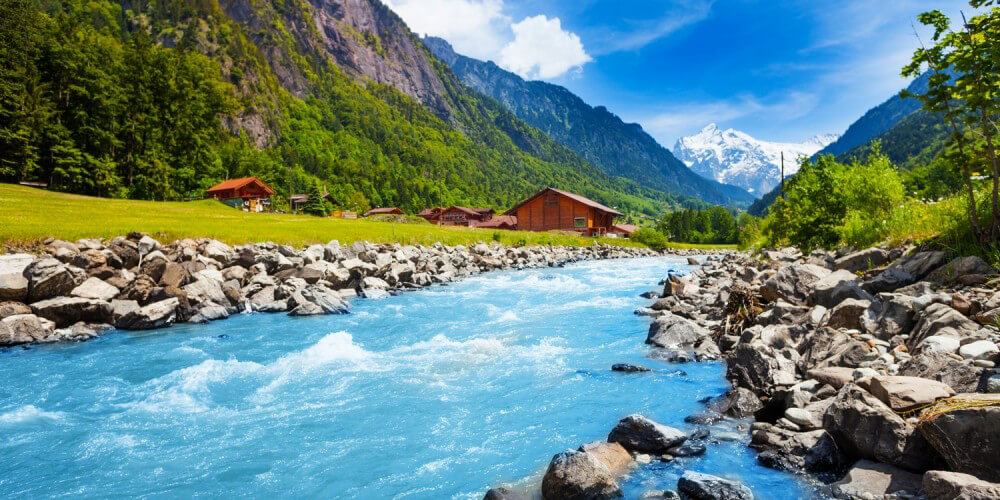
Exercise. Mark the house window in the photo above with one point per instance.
(580, 222)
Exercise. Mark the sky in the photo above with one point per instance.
(779, 70)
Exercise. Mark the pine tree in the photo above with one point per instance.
(314, 205)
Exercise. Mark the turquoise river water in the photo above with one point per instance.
(439, 393)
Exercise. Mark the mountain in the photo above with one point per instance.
(619, 149)
(336, 92)
(736, 158)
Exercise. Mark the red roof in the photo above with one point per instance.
(232, 184)
(430, 211)
(500, 220)
(624, 228)
(572, 196)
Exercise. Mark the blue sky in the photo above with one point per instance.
(780, 70)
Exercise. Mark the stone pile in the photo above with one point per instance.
(873, 370)
(76, 290)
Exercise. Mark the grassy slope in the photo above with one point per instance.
(27, 215)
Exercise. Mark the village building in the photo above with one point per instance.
(554, 210)
(249, 194)
(297, 201)
(623, 230)
(463, 216)
(431, 214)
(507, 222)
(384, 211)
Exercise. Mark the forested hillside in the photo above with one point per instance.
(160, 100)
(602, 138)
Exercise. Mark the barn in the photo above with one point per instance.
(552, 209)
(461, 216)
(247, 193)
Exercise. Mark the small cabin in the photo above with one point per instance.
(623, 230)
(297, 201)
(249, 194)
(506, 222)
(463, 216)
(431, 214)
(384, 211)
(554, 210)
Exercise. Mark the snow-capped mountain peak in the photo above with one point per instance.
(736, 158)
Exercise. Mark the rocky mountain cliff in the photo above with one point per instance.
(618, 148)
(736, 158)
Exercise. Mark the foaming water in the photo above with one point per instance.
(437, 393)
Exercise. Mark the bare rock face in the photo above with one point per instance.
(945, 485)
(864, 427)
(638, 433)
(579, 475)
(65, 311)
(698, 486)
(49, 278)
(869, 479)
(968, 439)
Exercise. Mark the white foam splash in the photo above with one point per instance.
(30, 413)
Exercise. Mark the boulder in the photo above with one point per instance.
(13, 287)
(813, 451)
(835, 288)
(968, 438)
(13, 308)
(49, 278)
(848, 314)
(792, 283)
(864, 260)
(640, 434)
(864, 427)
(120, 308)
(890, 315)
(627, 368)
(671, 330)
(960, 376)
(15, 263)
(738, 402)
(759, 368)
(687, 449)
(613, 455)
(940, 343)
(204, 291)
(175, 275)
(94, 288)
(959, 267)
(24, 328)
(905, 271)
(867, 479)
(940, 320)
(64, 311)
(219, 252)
(503, 493)
(980, 349)
(946, 485)
(155, 315)
(698, 486)
(575, 474)
(209, 313)
(834, 376)
(903, 393)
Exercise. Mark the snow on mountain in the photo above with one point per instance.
(736, 158)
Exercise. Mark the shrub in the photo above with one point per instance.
(651, 238)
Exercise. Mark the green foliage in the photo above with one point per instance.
(713, 225)
(315, 205)
(749, 230)
(650, 237)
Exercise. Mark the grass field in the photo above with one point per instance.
(28, 215)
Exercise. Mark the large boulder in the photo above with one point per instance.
(903, 394)
(206, 291)
(759, 368)
(946, 485)
(905, 271)
(15, 263)
(698, 486)
(614, 456)
(959, 267)
(738, 402)
(968, 438)
(979, 350)
(835, 288)
(792, 283)
(575, 474)
(64, 311)
(49, 278)
(848, 314)
(863, 260)
(962, 376)
(813, 451)
(890, 315)
(24, 328)
(867, 479)
(864, 427)
(219, 252)
(13, 287)
(155, 315)
(94, 288)
(638, 433)
(316, 299)
(671, 330)
(940, 320)
(13, 308)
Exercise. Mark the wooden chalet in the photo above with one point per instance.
(552, 209)
(297, 201)
(249, 194)
(507, 222)
(463, 216)
(384, 211)
(623, 230)
(431, 214)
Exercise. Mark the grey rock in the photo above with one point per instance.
(869, 258)
(792, 283)
(848, 314)
(503, 493)
(13, 287)
(638, 433)
(13, 308)
(94, 288)
(671, 330)
(968, 438)
(64, 311)
(49, 278)
(24, 328)
(813, 451)
(941, 320)
(835, 288)
(867, 479)
(15, 263)
(579, 475)
(903, 393)
(946, 485)
(960, 376)
(759, 368)
(959, 267)
(698, 486)
(905, 271)
(155, 315)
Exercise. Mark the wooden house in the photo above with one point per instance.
(247, 193)
(431, 214)
(384, 211)
(507, 222)
(551, 209)
(463, 216)
(623, 230)
(297, 201)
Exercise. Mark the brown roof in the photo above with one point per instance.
(467, 210)
(625, 228)
(572, 196)
(238, 183)
(385, 210)
(430, 211)
(500, 220)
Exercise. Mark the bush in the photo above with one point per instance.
(651, 238)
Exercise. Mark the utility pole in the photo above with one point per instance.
(782, 175)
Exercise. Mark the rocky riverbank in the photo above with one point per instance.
(73, 291)
(872, 372)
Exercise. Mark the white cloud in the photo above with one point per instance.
(476, 28)
(646, 31)
(542, 49)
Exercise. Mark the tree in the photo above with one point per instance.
(965, 88)
(315, 204)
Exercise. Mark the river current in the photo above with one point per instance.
(438, 393)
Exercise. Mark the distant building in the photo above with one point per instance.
(384, 211)
(297, 201)
(459, 216)
(625, 230)
(508, 222)
(247, 193)
(431, 214)
(551, 209)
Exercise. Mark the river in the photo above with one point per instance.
(439, 393)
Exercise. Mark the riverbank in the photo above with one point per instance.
(872, 371)
(74, 291)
